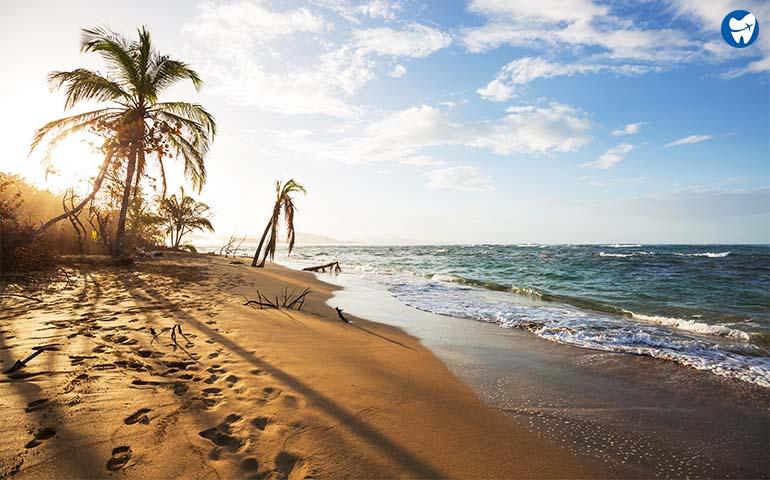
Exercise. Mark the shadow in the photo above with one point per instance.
(52, 412)
(415, 466)
(370, 332)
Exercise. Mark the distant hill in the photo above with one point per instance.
(312, 239)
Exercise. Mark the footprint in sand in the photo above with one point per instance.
(40, 436)
(231, 380)
(216, 368)
(212, 392)
(35, 405)
(251, 464)
(140, 416)
(222, 435)
(260, 422)
(213, 378)
(290, 466)
(120, 457)
(270, 393)
(180, 388)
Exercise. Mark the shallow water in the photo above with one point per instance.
(707, 307)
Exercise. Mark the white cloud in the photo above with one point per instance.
(611, 157)
(243, 62)
(710, 15)
(398, 71)
(407, 136)
(384, 9)
(354, 11)
(689, 140)
(247, 21)
(630, 129)
(399, 137)
(246, 82)
(573, 23)
(414, 41)
(535, 129)
(466, 178)
(524, 70)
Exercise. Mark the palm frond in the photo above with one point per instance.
(166, 71)
(71, 124)
(83, 84)
(192, 156)
(189, 112)
(115, 50)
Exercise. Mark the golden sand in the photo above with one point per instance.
(249, 393)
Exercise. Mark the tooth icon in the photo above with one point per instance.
(743, 29)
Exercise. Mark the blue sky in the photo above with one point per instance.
(499, 121)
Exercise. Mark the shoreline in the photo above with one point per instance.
(626, 411)
(247, 394)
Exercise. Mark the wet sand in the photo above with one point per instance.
(638, 416)
(243, 393)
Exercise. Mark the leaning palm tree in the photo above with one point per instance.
(284, 203)
(135, 124)
(182, 215)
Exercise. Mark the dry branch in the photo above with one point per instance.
(339, 314)
(290, 300)
(37, 351)
(332, 266)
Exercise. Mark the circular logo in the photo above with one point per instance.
(740, 28)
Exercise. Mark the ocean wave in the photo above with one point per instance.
(698, 355)
(441, 277)
(624, 255)
(623, 245)
(692, 326)
(704, 254)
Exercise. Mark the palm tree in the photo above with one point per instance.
(135, 123)
(283, 203)
(183, 215)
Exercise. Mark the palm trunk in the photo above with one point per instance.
(259, 248)
(120, 233)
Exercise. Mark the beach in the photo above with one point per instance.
(265, 393)
(249, 393)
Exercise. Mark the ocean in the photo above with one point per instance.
(704, 306)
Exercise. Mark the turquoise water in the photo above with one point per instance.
(707, 307)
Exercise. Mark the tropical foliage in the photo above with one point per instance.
(136, 127)
(284, 205)
(182, 215)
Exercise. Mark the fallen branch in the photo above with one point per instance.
(289, 300)
(339, 314)
(332, 266)
(23, 363)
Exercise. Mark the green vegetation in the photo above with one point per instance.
(136, 127)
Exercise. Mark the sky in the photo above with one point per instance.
(479, 121)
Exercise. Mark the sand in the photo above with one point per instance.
(245, 393)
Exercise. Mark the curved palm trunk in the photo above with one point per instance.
(259, 248)
(120, 233)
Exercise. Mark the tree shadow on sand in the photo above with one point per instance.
(384, 445)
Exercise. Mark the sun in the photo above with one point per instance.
(73, 164)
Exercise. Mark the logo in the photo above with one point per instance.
(740, 28)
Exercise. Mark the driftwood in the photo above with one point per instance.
(232, 245)
(177, 328)
(339, 314)
(37, 351)
(332, 266)
(290, 300)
